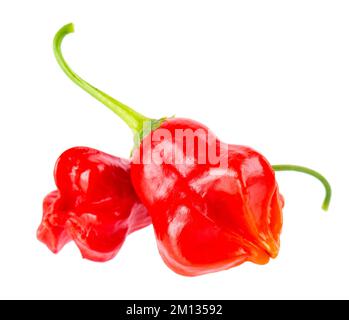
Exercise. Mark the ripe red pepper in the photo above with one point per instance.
(206, 218)
(95, 204)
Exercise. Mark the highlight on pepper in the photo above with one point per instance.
(213, 205)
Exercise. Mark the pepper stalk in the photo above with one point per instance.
(136, 120)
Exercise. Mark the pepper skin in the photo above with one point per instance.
(206, 218)
(95, 204)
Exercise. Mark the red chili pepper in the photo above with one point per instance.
(95, 204)
(206, 218)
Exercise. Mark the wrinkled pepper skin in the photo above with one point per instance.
(206, 220)
(95, 204)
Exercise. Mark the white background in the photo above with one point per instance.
(273, 75)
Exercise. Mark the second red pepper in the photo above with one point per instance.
(95, 204)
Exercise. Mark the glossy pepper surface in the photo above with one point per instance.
(206, 218)
(95, 204)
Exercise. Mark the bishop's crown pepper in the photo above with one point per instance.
(205, 219)
(95, 204)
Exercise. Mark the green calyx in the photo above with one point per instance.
(139, 124)
(315, 174)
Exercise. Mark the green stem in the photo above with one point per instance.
(132, 118)
(136, 120)
(317, 175)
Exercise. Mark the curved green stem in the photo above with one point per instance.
(136, 120)
(132, 118)
(317, 175)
